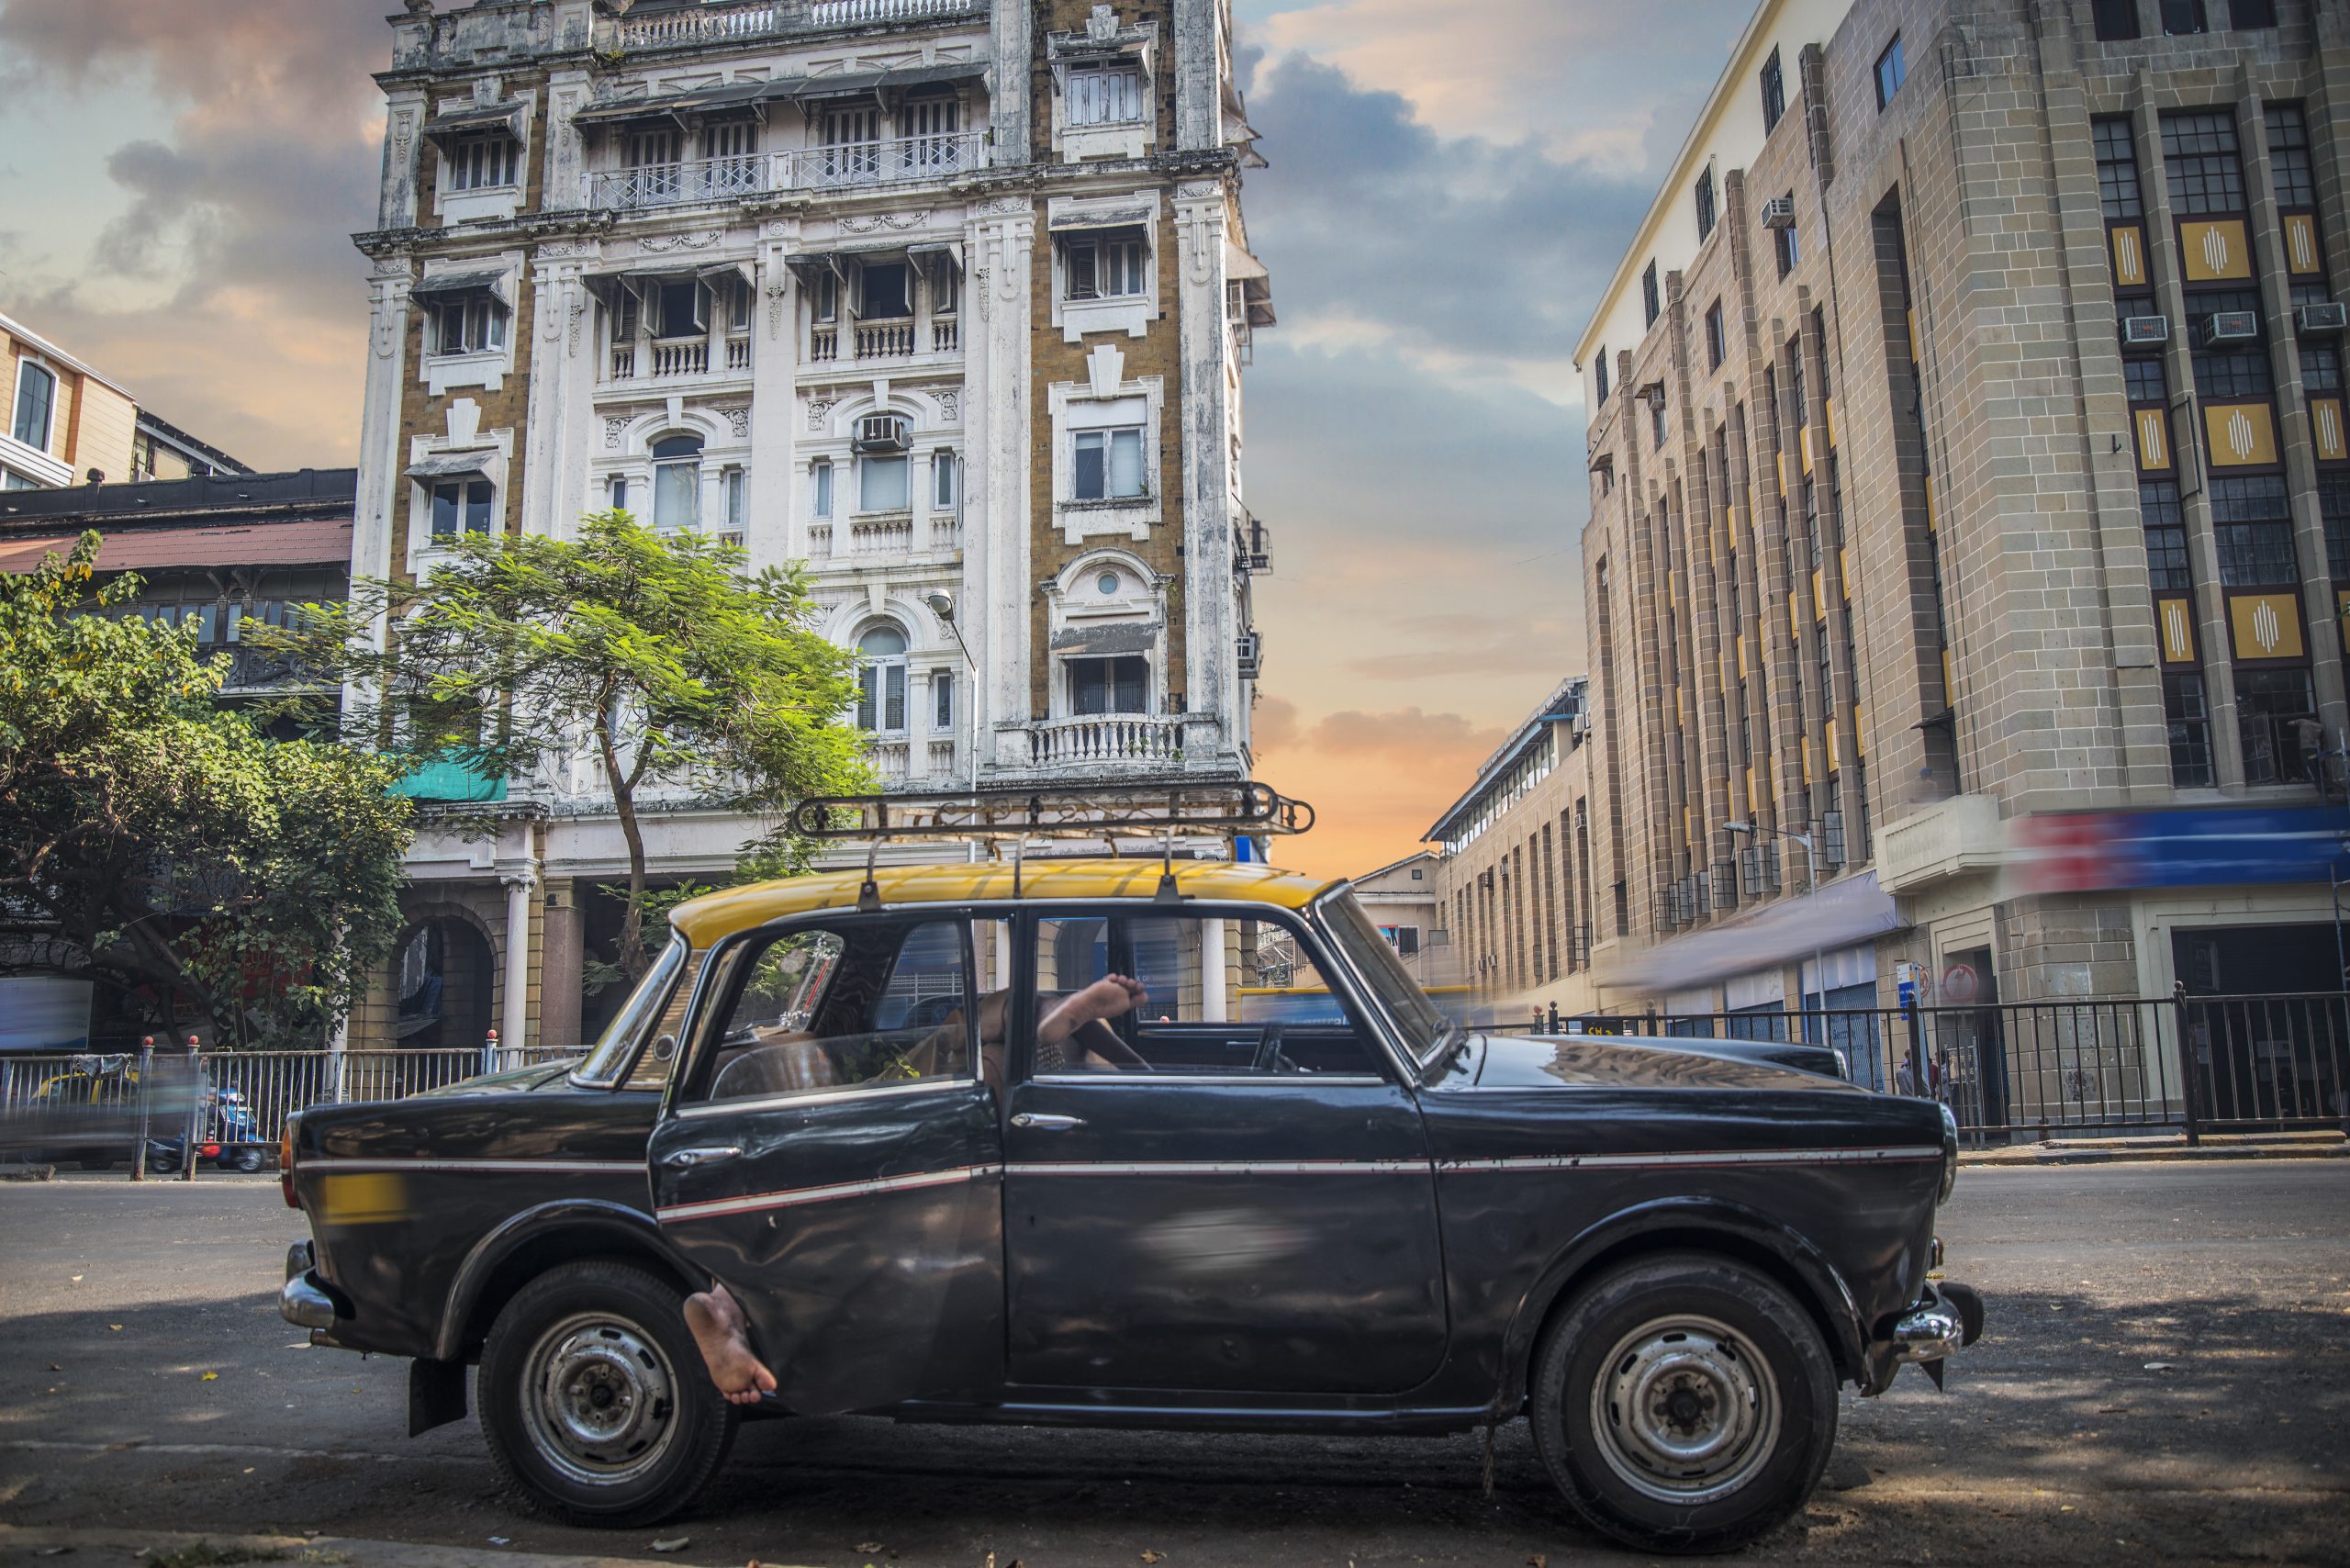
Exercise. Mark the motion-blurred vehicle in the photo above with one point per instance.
(88, 1114)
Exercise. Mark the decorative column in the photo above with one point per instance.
(773, 528)
(1210, 636)
(993, 610)
(514, 1016)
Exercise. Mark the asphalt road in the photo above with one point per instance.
(2167, 1379)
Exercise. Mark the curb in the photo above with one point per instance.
(2168, 1150)
(136, 1549)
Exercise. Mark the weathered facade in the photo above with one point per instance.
(948, 299)
(1966, 453)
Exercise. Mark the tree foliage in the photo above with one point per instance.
(159, 841)
(659, 657)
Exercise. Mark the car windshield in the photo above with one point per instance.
(1425, 1028)
(610, 1058)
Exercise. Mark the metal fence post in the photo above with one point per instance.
(2189, 1094)
(1554, 1019)
(1918, 1084)
(146, 1080)
(489, 1053)
(194, 1112)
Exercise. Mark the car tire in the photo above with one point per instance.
(1683, 1404)
(595, 1401)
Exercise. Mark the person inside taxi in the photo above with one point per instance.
(1074, 1032)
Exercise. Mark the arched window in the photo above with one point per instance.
(677, 482)
(882, 684)
(36, 400)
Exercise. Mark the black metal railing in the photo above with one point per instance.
(2036, 1070)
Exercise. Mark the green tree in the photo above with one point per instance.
(154, 839)
(659, 656)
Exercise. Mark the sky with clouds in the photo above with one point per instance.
(1449, 186)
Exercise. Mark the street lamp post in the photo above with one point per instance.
(1811, 866)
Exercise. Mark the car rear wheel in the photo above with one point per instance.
(595, 1401)
(1683, 1404)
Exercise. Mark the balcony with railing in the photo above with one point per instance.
(676, 360)
(701, 26)
(1107, 738)
(850, 166)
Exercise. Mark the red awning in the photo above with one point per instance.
(320, 542)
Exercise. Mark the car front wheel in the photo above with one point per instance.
(1683, 1404)
(595, 1401)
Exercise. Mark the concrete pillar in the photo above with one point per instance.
(562, 955)
(514, 1016)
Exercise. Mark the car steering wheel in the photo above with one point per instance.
(1269, 1058)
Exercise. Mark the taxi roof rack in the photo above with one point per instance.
(1220, 808)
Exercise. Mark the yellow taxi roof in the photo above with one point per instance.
(714, 916)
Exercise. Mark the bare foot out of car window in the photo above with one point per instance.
(719, 1328)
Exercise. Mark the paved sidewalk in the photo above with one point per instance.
(2164, 1146)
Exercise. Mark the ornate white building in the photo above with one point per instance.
(949, 299)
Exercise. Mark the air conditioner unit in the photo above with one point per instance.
(1252, 650)
(2139, 331)
(1779, 212)
(880, 432)
(2312, 319)
(1485, 879)
(2230, 327)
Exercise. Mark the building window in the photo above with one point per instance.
(1107, 265)
(1656, 420)
(1648, 301)
(852, 145)
(1774, 94)
(1104, 91)
(819, 473)
(2320, 368)
(1705, 198)
(1716, 347)
(881, 682)
(1109, 464)
(2289, 152)
(1891, 72)
(2200, 153)
(2116, 19)
(942, 701)
(2247, 15)
(683, 306)
(1784, 243)
(619, 492)
(468, 326)
(2334, 506)
(2166, 536)
(882, 292)
(2190, 720)
(460, 506)
(2254, 531)
(2143, 379)
(2181, 17)
(481, 163)
(677, 482)
(883, 482)
(2117, 169)
(36, 400)
(1107, 685)
(2277, 716)
(1599, 374)
(736, 487)
(943, 468)
(2237, 368)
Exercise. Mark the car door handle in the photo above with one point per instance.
(1047, 1123)
(680, 1159)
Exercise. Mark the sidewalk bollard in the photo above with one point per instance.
(489, 1053)
(194, 1112)
(145, 1077)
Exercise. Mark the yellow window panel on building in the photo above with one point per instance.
(2154, 441)
(1803, 446)
(1807, 759)
(2267, 625)
(2240, 434)
(2302, 255)
(1780, 461)
(1911, 318)
(1818, 598)
(2325, 430)
(1844, 571)
(2175, 621)
(1860, 731)
(1742, 659)
(1795, 613)
(1933, 523)
(1829, 744)
(2215, 250)
(1831, 423)
(2129, 256)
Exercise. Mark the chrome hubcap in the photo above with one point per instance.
(600, 1398)
(1686, 1410)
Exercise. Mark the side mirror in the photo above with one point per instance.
(663, 1047)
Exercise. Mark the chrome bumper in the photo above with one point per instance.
(301, 1302)
(1949, 1319)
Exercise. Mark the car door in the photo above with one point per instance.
(1198, 1202)
(828, 1153)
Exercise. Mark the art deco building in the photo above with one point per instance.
(1967, 475)
(948, 299)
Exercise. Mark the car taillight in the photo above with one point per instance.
(285, 1165)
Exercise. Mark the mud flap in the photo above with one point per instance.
(436, 1394)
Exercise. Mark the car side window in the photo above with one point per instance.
(861, 1003)
(1177, 994)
